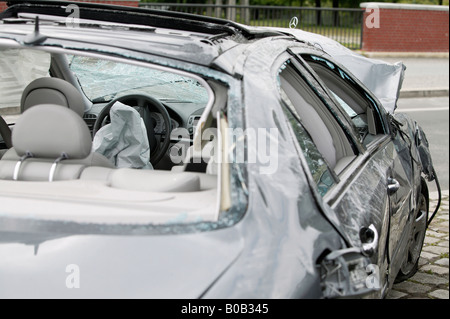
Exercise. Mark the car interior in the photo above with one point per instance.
(48, 120)
(324, 130)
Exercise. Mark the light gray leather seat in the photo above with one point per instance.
(50, 143)
(52, 91)
(46, 91)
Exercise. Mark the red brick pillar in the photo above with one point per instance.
(389, 27)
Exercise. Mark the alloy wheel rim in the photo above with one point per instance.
(416, 237)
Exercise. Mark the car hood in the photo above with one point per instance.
(383, 79)
(104, 266)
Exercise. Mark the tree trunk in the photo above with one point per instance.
(231, 11)
(209, 8)
(318, 13)
(335, 13)
(245, 12)
(218, 13)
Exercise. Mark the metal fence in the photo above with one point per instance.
(342, 25)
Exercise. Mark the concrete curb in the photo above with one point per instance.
(375, 55)
(436, 92)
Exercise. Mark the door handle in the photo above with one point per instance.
(369, 240)
(393, 186)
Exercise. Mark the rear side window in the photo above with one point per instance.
(302, 110)
(319, 169)
(299, 88)
(355, 102)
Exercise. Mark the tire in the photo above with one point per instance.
(410, 263)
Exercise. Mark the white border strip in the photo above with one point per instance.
(399, 6)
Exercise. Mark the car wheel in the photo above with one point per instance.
(415, 242)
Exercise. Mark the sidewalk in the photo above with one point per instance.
(431, 280)
(425, 76)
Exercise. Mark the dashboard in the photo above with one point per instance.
(159, 125)
(182, 115)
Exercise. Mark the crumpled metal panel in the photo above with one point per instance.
(282, 263)
(383, 79)
(414, 140)
(361, 202)
(262, 104)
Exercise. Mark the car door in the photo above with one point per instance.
(320, 144)
(375, 189)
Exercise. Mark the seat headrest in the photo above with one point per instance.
(52, 91)
(48, 130)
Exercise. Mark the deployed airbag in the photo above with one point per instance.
(124, 141)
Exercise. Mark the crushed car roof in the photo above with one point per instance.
(181, 36)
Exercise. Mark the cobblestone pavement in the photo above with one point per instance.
(431, 280)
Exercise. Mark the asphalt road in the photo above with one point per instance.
(432, 114)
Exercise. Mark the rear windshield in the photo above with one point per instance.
(17, 69)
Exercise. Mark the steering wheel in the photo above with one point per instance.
(5, 133)
(145, 103)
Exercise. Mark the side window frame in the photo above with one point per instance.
(327, 179)
(343, 132)
(310, 83)
(375, 123)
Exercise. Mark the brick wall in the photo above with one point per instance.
(405, 28)
(130, 3)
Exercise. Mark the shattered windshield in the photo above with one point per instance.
(103, 80)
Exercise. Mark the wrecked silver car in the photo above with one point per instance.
(152, 154)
